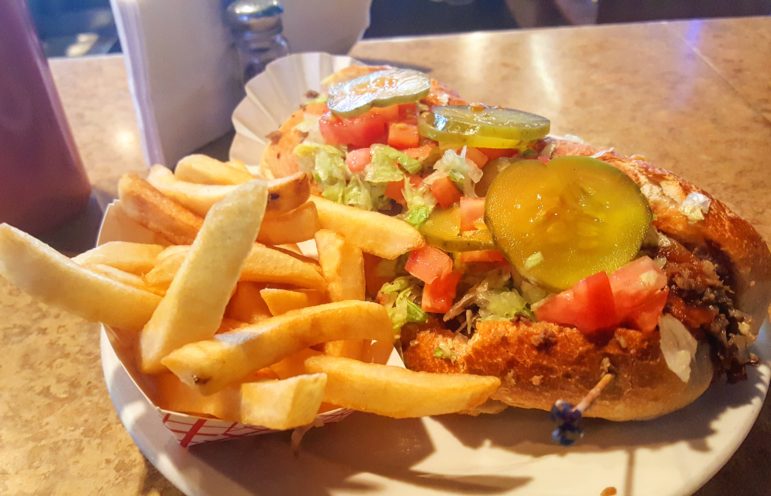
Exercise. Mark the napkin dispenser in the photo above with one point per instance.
(184, 74)
(183, 66)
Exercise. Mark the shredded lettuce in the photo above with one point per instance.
(459, 170)
(385, 164)
(327, 164)
(358, 194)
(502, 305)
(420, 203)
(383, 170)
(397, 296)
(395, 287)
(385, 152)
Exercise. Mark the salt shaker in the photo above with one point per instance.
(256, 27)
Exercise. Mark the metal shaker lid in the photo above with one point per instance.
(262, 16)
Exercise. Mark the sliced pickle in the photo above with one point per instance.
(565, 220)
(491, 171)
(480, 126)
(442, 229)
(379, 89)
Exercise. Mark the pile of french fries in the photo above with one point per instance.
(259, 332)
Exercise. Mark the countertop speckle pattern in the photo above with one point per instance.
(691, 96)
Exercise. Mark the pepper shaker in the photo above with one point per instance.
(256, 27)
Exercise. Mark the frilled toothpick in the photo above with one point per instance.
(568, 418)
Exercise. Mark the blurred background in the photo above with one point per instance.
(74, 28)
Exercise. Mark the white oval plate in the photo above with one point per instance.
(506, 453)
(502, 454)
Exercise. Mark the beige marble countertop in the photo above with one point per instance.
(691, 96)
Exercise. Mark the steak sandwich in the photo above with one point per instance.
(546, 262)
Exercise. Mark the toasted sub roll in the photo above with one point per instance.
(540, 362)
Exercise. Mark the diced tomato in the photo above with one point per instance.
(493, 153)
(357, 160)
(635, 296)
(402, 135)
(588, 306)
(390, 113)
(445, 192)
(395, 189)
(640, 292)
(476, 156)
(428, 264)
(421, 152)
(356, 132)
(472, 212)
(646, 316)
(439, 295)
(482, 256)
(316, 108)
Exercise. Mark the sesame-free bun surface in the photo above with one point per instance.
(540, 362)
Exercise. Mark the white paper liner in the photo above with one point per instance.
(274, 94)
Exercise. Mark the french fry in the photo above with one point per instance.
(246, 304)
(288, 192)
(281, 301)
(207, 170)
(171, 394)
(373, 232)
(49, 276)
(282, 404)
(284, 194)
(342, 265)
(294, 226)
(229, 324)
(214, 363)
(199, 198)
(196, 299)
(238, 164)
(399, 393)
(290, 248)
(121, 276)
(136, 258)
(171, 251)
(263, 264)
(294, 364)
(140, 201)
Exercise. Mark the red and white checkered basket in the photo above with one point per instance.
(190, 430)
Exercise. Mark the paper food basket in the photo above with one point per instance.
(271, 97)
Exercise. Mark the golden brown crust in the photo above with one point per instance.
(541, 362)
(156, 211)
(278, 159)
(721, 228)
